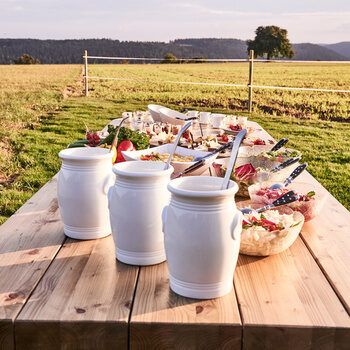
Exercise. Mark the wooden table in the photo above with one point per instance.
(58, 293)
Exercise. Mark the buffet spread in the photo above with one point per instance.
(118, 180)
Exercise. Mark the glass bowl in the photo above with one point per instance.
(249, 179)
(312, 197)
(264, 157)
(263, 243)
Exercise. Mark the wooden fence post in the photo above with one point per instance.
(86, 74)
(250, 92)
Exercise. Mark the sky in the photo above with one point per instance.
(316, 21)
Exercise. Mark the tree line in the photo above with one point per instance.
(270, 41)
(71, 51)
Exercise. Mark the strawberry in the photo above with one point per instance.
(235, 127)
(224, 137)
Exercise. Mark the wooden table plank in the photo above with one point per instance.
(83, 301)
(29, 240)
(285, 299)
(161, 319)
(328, 239)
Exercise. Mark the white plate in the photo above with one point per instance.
(250, 131)
(229, 131)
(178, 166)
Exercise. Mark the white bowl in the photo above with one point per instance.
(178, 166)
(154, 110)
(170, 116)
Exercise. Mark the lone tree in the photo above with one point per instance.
(272, 41)
(27, 59)
(170, 58)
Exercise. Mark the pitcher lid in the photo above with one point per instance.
(201, 186)
(85, 153)
(141, 168)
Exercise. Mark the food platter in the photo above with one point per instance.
(178, 166)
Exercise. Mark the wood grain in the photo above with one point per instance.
(82, 302)
(328, 239)
(29, 240)
(298, 299)
(162, 319)
(285, 299)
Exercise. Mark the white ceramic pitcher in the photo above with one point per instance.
(83, 181)
(136, 202)
(202, 228)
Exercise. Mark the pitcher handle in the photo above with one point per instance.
(109, 195)
(236, 227)
(107, 183)
(164, 215)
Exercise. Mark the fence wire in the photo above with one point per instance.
(212, 84)
(211, 59)
(221, 84)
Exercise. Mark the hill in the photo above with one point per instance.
(71, 51)
(313, 52)
(342, 48)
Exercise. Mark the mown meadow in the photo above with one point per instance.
(42, 109)
(300, 104)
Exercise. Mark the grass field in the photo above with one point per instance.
(300, 104)
(29, 97)
(36, 121)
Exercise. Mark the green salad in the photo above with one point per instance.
(279, 155)
(140, 140)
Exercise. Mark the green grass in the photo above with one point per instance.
(301, 104)
(32, 104)
(30, 96)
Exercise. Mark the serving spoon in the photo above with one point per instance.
(238, 140)
(176, 143)
(221, 148)
(288, 197)
(296, 172)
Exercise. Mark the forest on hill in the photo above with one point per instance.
(71, 51)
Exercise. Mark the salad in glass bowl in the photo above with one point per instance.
(279, 155)
(270, 232)
(310, 198)
(247, 175)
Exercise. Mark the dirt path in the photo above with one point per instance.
(76, 89)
